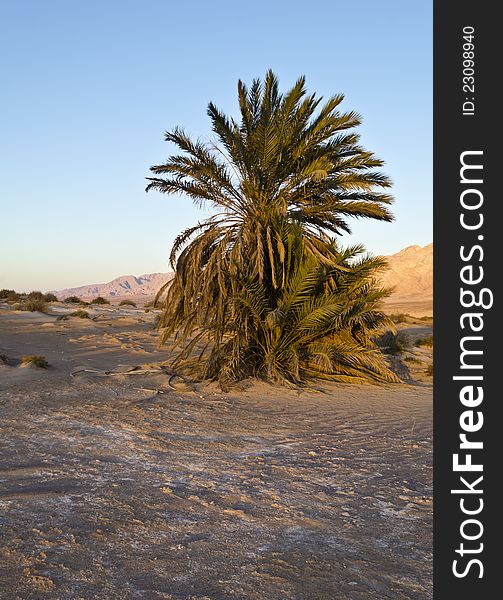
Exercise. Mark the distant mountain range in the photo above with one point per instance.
(410, 273)
(120, 287)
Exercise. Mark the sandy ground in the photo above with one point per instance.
(109, 490)
(415, 307)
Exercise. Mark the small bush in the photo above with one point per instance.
(34, 359)
(399, 317)
(393, 343)
(4, 359)
(429, 370)
(427, 340)
(34, 305)
(36, 295)
(100, 300)
(127, 303)
(73, 300)
(411, 359)
(152, 304)
(9, 295)
(49, 297)
(81, 314)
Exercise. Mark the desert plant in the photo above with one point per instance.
(35, 360)
(100, 300)
(50, 297)
(73, 300)
(35, 295)
(6, 294)
(81, 314)
(157, 303)
(321, 323)
(426, 340)
(412, 359)
(399, 317)
(429, 370)
(34, 304)
(393, 342)
(282, 181)
(4, 359)
(14, 297)
(127, 303)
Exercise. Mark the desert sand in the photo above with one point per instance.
(136, 484)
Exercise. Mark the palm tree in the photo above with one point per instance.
(282, 182)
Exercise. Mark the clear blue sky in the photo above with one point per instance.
(88, 88)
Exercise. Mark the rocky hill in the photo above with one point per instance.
(121, 287)
(410, 273)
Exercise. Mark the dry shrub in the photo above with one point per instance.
(36, 360)
(81, 314)
(127, 303)
(34, 304)
(100, 300)
(427, 341)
